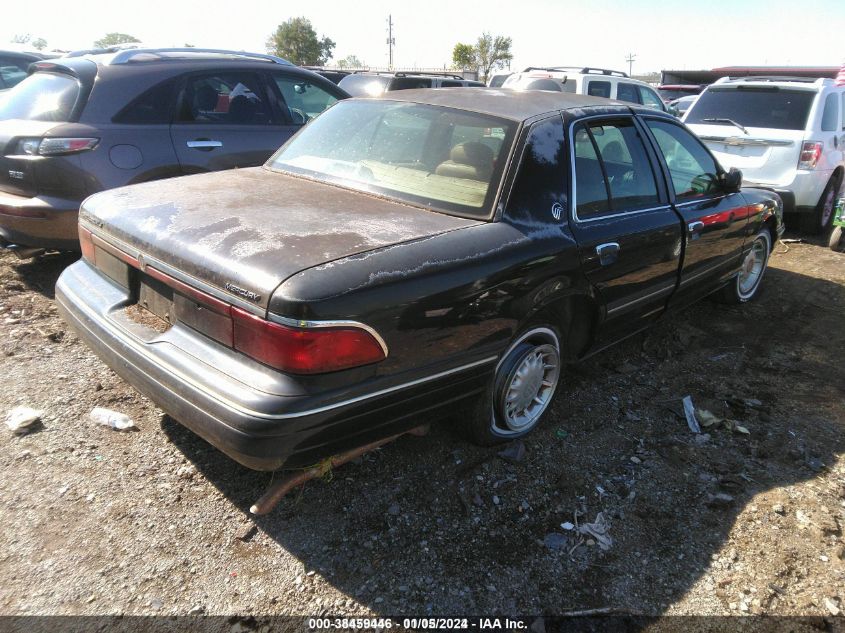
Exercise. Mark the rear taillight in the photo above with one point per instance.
(54, 146)
(86, 243)
(811, 151)
(303, 350)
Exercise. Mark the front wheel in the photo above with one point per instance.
(745, 285)
(524, 384)
(837, 239)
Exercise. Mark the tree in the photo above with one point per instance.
(492, 53)
(351, 61)
(112, 39)
(463, 57)
(296, 41)
(39, 44)
(21, 39)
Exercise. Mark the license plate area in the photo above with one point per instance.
(154, 308)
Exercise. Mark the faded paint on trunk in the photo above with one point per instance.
(255, 228)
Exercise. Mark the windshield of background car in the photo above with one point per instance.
(41, 97)
(442, 158)
(365, 85)
(766, 107)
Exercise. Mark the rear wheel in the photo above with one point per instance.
(522, 389)
(820, 218)
(745, 285)
(837, 239)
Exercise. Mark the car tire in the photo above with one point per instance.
(820, 218)
(837, 240)
(523, 387)
(746, 284)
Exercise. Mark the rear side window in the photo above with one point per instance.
(451, 84)
(694, 172)
(650, 99)
(41, 97)
(409, 83)
(303, 99)
(599, 89)
(591, 195)
(627, 92)
(830, 117)
(539, 191)
(364, 85)
(225, 99)
(154, 106)
(773, 107)
(12, 72)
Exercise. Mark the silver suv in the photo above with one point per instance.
(374, 84)
(783, 133)
(596, 82)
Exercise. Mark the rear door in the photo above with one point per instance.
(629, 238)
(225, 120)
(715, 221)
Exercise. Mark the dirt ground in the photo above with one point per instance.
(96, 521)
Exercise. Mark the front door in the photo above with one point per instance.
(225, 120)
(629, 238)
(715, 221)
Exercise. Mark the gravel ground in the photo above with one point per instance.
(155, 521)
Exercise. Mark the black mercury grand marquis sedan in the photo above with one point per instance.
(400, 257)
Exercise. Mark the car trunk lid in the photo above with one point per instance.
(243, 232)
(19, 172)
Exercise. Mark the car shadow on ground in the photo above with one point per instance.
(434, 525)
(39, 273)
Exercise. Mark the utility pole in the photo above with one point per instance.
(630, 59)
(391, 42)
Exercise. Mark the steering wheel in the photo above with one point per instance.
(298, 116)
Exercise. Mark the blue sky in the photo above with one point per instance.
(661, 33)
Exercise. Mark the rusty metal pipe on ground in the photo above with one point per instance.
(276, 492)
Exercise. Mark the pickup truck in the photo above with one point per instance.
(406, 258)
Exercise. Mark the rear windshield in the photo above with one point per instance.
(772, 108)
(365, 85)
(447, 159)
(41, 97)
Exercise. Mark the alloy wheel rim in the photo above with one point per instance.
(531, 388)
(752, 268)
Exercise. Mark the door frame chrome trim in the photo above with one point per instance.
(668, 288)
(306, 324)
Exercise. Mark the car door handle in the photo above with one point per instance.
(608, 253)
(204, 143)
(695, 227)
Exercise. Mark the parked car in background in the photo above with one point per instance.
(405, 255)
(13, 65)
(332, 74)
(595, 82)
(497, 79)
(679, 106)
(373, 84)
(787, 134)
(672, 92)
(79, 125)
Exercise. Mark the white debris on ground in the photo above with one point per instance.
(599, 530)
(113, 419)
(20, 420)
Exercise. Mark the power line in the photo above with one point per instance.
(391, 41)
(630, 59)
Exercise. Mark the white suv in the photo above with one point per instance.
(784, 133)
(597, 82)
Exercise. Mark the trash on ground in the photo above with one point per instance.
(554, 541)
(720, 500)
(599, 530)
(689, 414)
(562, 433)
(112, 419)
(567, 525)
(21, 420)
(709, 419)
(246, 532)
(514, 452)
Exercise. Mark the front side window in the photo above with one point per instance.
(41, 97)
(447, 159)
(765, 107)
(627, 92)
(830, 116)
(539, 190)
(599, 89)
(303, 99)
(12, 72)
(225, 99)
(694, 172)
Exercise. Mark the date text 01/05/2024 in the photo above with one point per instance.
(432, 623)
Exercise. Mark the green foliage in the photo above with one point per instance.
(492, 53)
(39, 44)
(463, 57)
(21, 39)
(296, 41)
(112, 39)
(351, 61)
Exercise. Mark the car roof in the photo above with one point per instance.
(515, 105)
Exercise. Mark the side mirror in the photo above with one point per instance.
(673, 110)
(732, 181)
